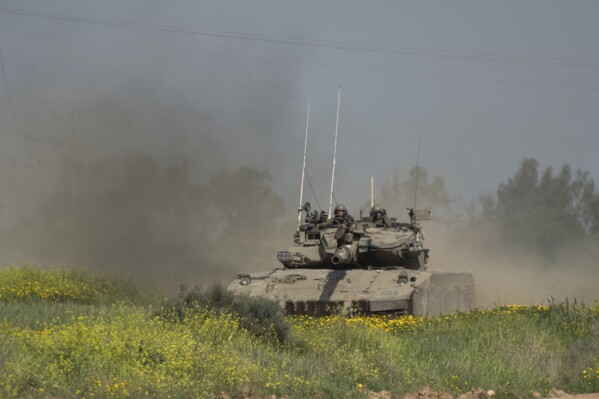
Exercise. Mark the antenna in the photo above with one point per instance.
(417, 170)
(335, 150)
(299, 213)
(371, 192)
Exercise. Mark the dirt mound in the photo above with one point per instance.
(476, 393)
(428, 393)
(563, 395)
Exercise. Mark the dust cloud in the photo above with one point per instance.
(132, 215)
(142, 184)
(505, 274)
(136, 215)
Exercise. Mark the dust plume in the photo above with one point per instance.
(134, 216)
(148, 186)
(535, 240)
(510, 275)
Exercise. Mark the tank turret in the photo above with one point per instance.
(357, 244)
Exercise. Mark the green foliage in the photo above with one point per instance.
(31, 283)
(205, 349)
(260, 316)
(543, 212)
(40, 314)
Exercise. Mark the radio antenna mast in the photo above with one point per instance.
(299, 212)
(371, 191)
(417, 170)
(335, 151)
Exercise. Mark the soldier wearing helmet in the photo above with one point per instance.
(341, 217)
(378, 216)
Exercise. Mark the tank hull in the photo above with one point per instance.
(392, 290)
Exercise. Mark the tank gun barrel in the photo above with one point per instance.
(343, 256)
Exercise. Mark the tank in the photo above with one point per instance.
(359, 266)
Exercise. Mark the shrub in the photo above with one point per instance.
(262, 317)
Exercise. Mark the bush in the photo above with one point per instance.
(262, 317)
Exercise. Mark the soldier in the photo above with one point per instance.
(316, 221)
(341, 217)
(378, 216)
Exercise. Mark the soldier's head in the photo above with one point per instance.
(340, 210)
(376, 212)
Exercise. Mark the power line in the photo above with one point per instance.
(45, 140)
(15, 164)
(296, 62)
(345, 46)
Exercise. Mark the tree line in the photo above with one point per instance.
(536, 210)
(134, 214)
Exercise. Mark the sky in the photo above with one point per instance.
(480, 84)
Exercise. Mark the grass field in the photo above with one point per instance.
(73, 334)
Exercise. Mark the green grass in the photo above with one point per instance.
(114, 342)
(30, 283)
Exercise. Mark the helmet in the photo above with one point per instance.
(340, 207)
(375, 209)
